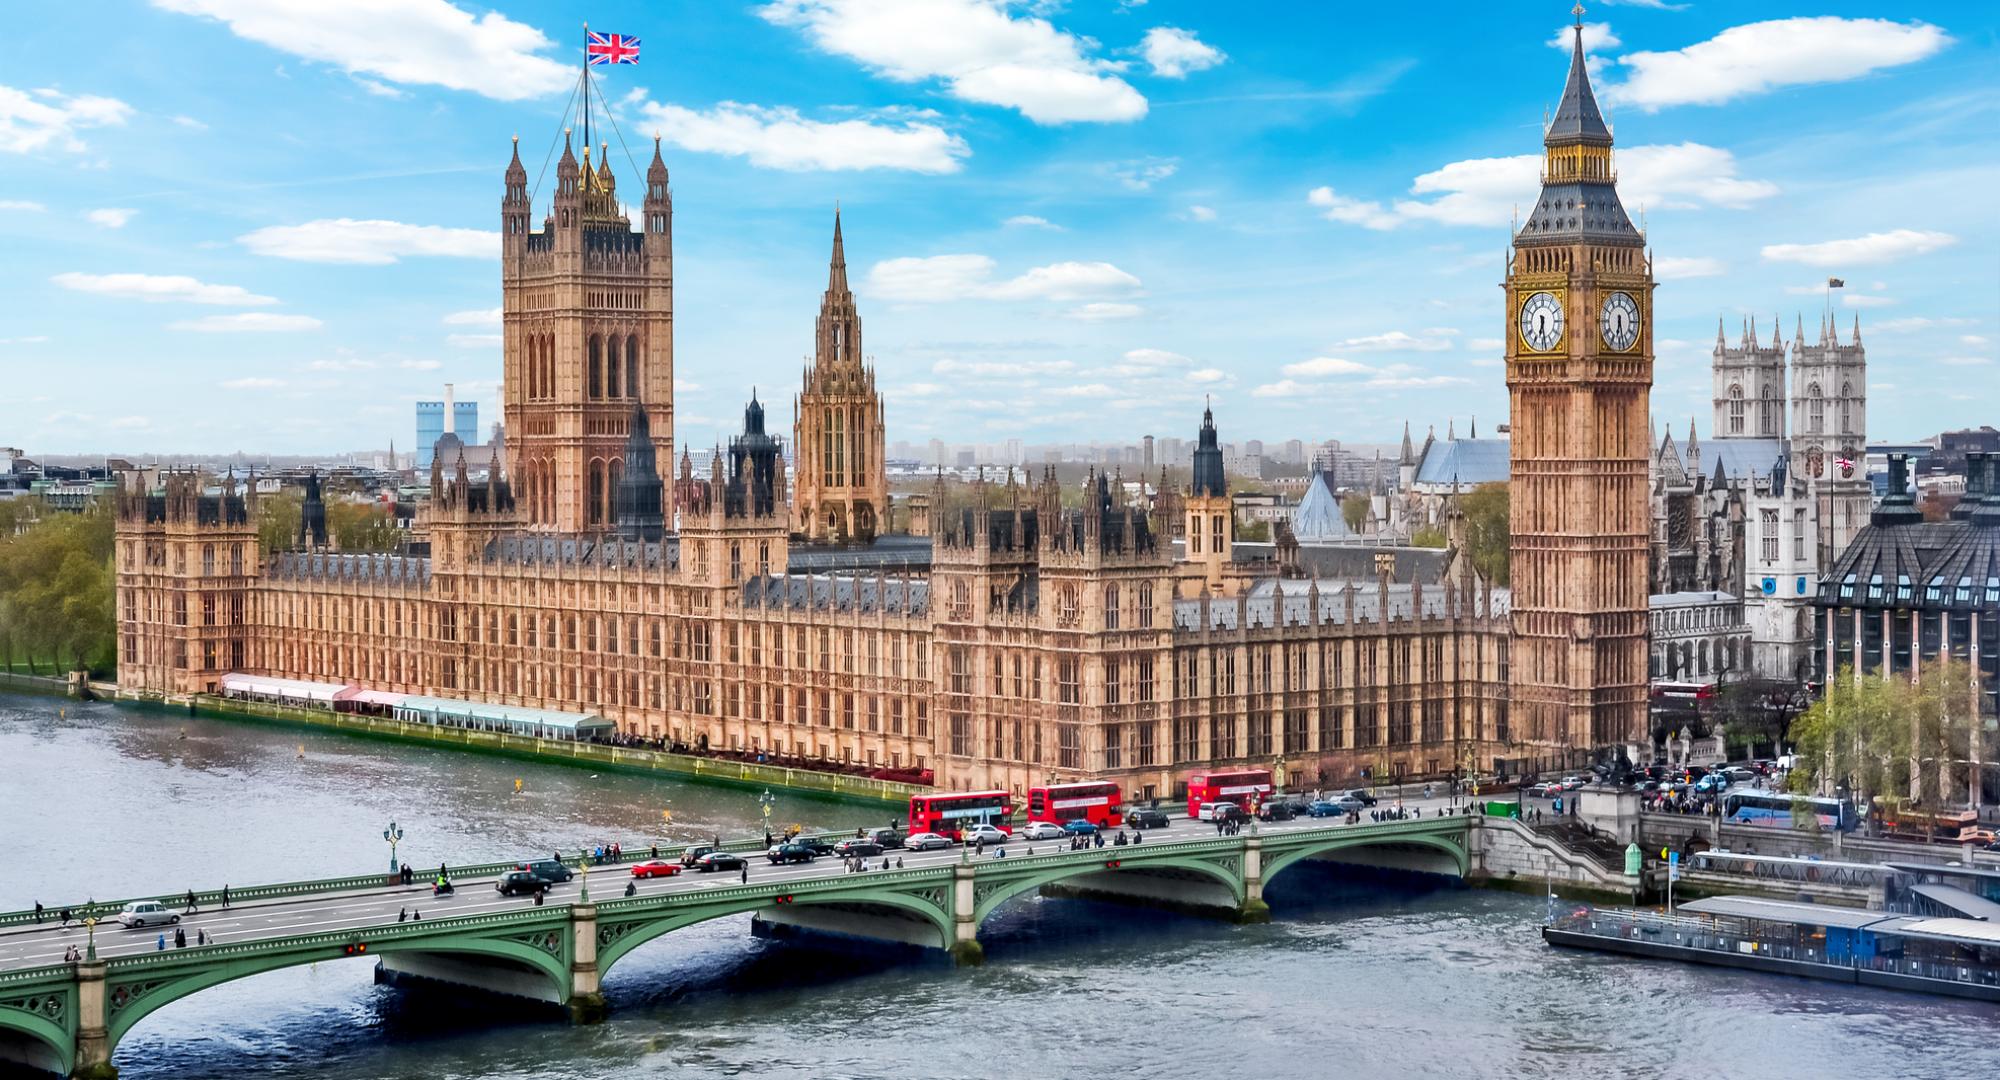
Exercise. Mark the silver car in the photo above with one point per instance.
(926, 841)
(140, 913)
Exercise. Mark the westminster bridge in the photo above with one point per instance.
(67, 1015)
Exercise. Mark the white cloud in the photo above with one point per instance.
(1154, 358)
(368, 243)
(1487, 191)
(478, 317)
(416, 42)
(1320, 367)
(1486, 344)
(1763, 56)
(981, 52)
(1104, 311)
(1434, 339)
(1861, 250)
(1596, 36)
(1172, 52)
(190, 123)
(251, 384)
(914, 390)
(248, 322)
(162, 287)
(1140, 174)
(1965, 361)
(1282, 388)
(474, 341)
(961, 277)
(1920, 322)
(1971, 339)
(32, 339)
(421, 365)
(1088, 390)
(1680, 268)
(40, 119)
(1863, 300)
(778, 137)
(1201, 213)
(1000, 368)
(111, 217)
(22, 205)
(1206, 376)
(341, 364)
(1030, 221)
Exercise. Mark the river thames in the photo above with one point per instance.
(1351, 978)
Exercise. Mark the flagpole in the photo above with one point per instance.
(586, 88)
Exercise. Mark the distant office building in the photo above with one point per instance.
(430, 428)
(465, 421)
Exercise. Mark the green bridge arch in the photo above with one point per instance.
(991, 897)
(618, 932)
(35, 1024)
(147, 995)
(1450, 843)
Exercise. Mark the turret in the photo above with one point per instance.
(514, 205)
(569, 191)
(659, 205)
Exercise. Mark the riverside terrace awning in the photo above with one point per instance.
(1970, 933)
(1782, 911)
(264, 686)
(1953, 898)
(512, 719)
(380, 698)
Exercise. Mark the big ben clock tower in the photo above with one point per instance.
(1579, 375)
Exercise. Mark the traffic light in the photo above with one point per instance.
(356, 948)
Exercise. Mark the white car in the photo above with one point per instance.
(982, 834)
(140, 913)
(1041, 830)
(926, 841)
(1210, 809)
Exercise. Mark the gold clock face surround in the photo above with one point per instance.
(1618, 321)
(1541, 322)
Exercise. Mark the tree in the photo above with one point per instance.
(1428, 536)
(278, 521)
(1354, 511)
(1889, 736)
(362, 527)
(56, 591)
(1487, 534)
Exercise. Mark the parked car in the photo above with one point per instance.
(1362, 796)
(548, 871)
(517, 882)
(653, 868)
(140, 913)
(1079, 827)
(1148, 819)
(1041, 830)
(780, 854)
(983, 834)
(888, 838)
(926, 841)
(861, 848)
(720, 860)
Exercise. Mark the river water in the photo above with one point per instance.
(1351, 979)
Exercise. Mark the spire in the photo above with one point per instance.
(1577, 117)
(1473, 433)
(1720, 341)
(836, 274)
(1450, 429)
(1777, 333)
(1857, 328)
(1409, 456)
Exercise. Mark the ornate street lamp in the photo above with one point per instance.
(766, 802)
(394, 836)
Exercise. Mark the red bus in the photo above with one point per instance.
(947, 814)
(1098, 802)
(1241, 786)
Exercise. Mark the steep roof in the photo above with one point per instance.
(1317, 518)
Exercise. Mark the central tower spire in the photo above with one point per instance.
(842, 488)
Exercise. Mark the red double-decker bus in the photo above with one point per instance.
(947, 814)
(1096, 801)
(1241, 786)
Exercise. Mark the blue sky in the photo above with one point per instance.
(271, 224)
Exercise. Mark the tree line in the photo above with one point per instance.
(56, 589)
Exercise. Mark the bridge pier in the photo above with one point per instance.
(1253, 909)
(93, 1039)
(586, 986)
(965, 948)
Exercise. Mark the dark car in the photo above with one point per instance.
(1228, 812)
(518, 882)
(548, 871)
(1298, 802)
(1339, 807)
(862, 848)
(1362, 796)
(719, 860)
(788, 853)
(1277, 810)
(888, 838)
(818, 845)
(694, 854)
(1148, 819)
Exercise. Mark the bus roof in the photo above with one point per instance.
(962, 795)
(1077, 784)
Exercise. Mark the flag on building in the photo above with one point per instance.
(1831, 283)
(612, 49)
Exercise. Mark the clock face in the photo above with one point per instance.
(1542, 322)
(1619, 321)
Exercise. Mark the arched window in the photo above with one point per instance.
(1846, 408)
(1736, 409)
(596, 367)
(1815, 409)
(611, 370)
(632, 365)
(764, 557)
(1111, 607)
(594, 512)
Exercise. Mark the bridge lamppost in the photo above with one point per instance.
(394, 836)
(90, 939)
(766, 802)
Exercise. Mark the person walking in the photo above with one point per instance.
(161, 944)
(191, 909)
(65, 917)
(746, 871)
(201, 937)
(38, 913)
(225, 891)
(180, 937)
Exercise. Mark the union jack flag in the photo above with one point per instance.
(613, 49)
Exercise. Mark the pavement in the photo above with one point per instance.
(33, 946)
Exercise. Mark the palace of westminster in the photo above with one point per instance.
(1046, 632)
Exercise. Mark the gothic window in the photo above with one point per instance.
(735, 561)
(595, 511)
(596, 377)
(1799, 535)
(1735, 409)
(1111, 607)
(764, 557)
(611, 366)
(1846, 408)
(1215, 545)
(1815, 409)
(1768, 523)
(632, 366)
(208, 560)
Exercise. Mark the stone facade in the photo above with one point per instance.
(843, 483)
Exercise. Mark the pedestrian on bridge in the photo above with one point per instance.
(180, 937)
(225, 891)
(38, 913)
(191, 908)
(746, 872)
(403, 915)
(160, 945)
(201, 937)
(65, 916)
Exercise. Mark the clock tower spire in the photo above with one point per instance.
(1579, 377)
